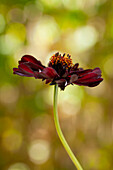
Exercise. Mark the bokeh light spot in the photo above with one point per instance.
(13, 39)
(19, 166)
(82, 39)
(18, 30)
(39, 151)
(45, 31)
(85, 37)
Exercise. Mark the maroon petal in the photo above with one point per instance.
(21, 73)
(90, 83)
(88, 76)
(31, 61)
(25, 69)
(15, 70)
(97, 71)
(80, 72)
(47, 73)
(34, 67)
(29, 58)
(75, 67)
(96, 82)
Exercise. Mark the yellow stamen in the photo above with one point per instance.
(64, 59)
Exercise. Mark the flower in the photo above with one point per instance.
(60, 71)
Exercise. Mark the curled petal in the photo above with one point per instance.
(97, 71)
(89, 78)
(96, 82)
(47, 73)
(25, 69)
(29, 58)
(90, 83)
(21, 73)
(32, 62)
(81, 72)
(75, 66)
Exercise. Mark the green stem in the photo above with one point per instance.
(60, 134)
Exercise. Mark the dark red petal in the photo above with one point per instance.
(97, 71)
(80, 72)
(83, 72)
(89, 82)
(38, 75)
(34, 67)
(47, 73)
(96, 82)
(31, 59)
(75, 67)
(88, 76)
(15, 69)
(20, 72)
(26, 69)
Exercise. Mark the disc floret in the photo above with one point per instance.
(64, 60)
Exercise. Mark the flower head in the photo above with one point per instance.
(60, 70)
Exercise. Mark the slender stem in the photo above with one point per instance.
(60, 134)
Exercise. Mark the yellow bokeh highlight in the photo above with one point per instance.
(18, 30)
(39, 151)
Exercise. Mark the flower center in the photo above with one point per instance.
(64, 60)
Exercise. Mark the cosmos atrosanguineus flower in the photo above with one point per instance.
(60, 70)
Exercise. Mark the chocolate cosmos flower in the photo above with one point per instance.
(60, 71)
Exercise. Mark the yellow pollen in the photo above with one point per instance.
(64, 59)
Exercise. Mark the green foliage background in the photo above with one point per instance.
(28, 140)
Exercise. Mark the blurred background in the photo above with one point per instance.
(28, 139)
